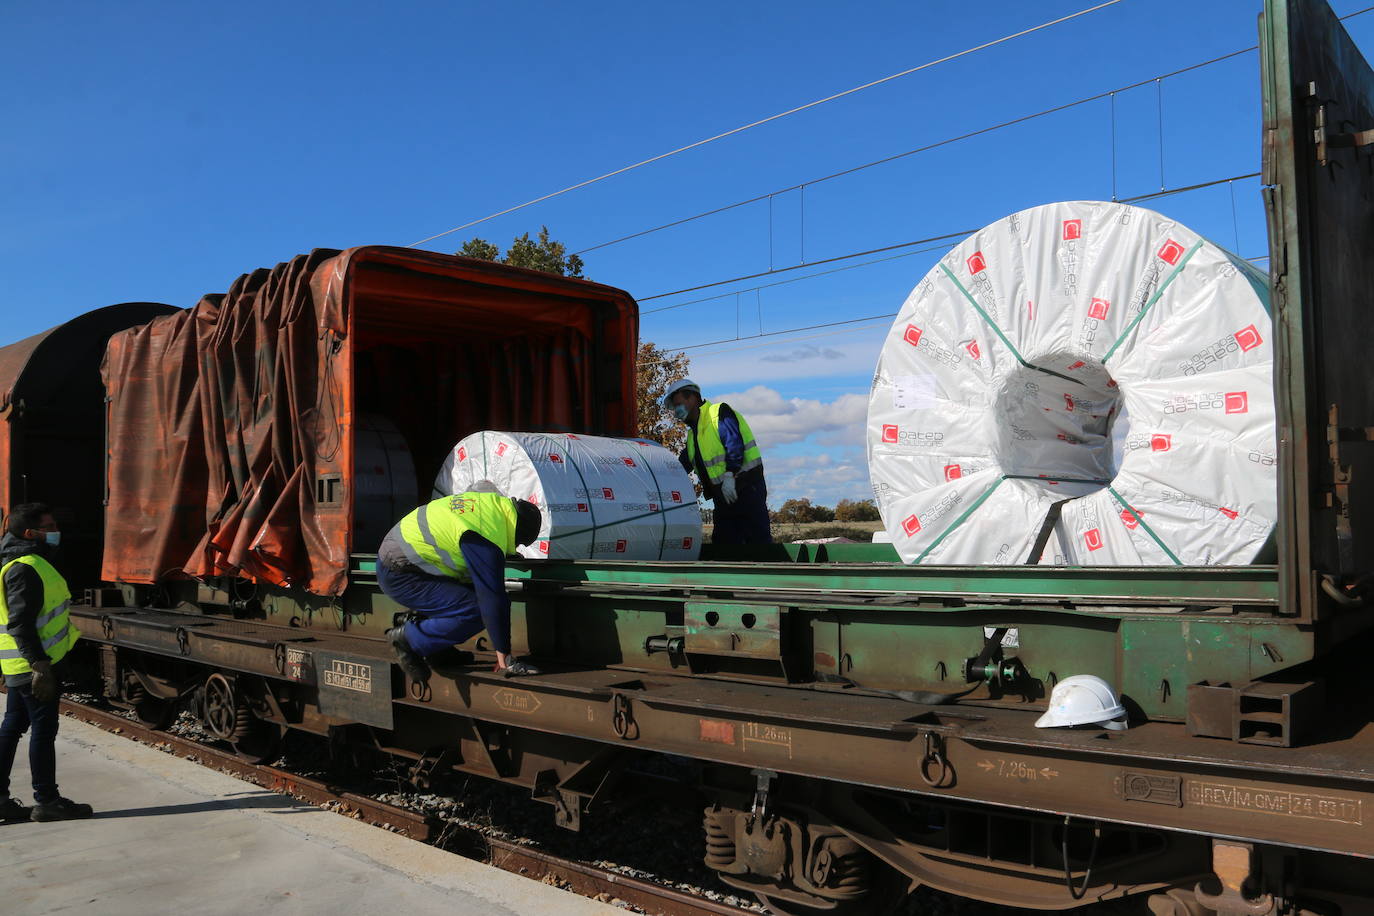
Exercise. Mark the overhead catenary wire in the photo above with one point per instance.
(1153, 195)
(791, 111)
(947, 141)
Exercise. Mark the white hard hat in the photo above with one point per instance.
(1083, 699)
(680, 385)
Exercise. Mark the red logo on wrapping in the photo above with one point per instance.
(543, 546)
(1068, 403)
(1248, 338)
(1237, 401)
(1073, 229)
(1229, 513)
(911, 524)
(629, 462)
(1170, 252)
(1078, 365)
(972, 348)
(912, 335)
(582, 507)
(653, 507)
(889, 433)
(555, 458)
(953, 472)
(1098, 308)
(462, 454)
(620, 546)
(686, 543)
(573, 436)
(607, 492)
(976, 263)
(533, 498)
(500, 450)
(1093, 538)
(1161, 443)
(1130, 518)
(677, 497)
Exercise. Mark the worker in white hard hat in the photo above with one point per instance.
(722, 452)
(1083, 699)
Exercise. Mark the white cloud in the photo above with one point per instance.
(811, 448)
(777, 421)
(840, 355)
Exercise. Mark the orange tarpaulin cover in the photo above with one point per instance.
(226, 421)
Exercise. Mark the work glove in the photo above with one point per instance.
(43, 685)
(728, 489)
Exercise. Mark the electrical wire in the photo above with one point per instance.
(1107, 94)
(934, 238)
(1045, 112)
(783, 114)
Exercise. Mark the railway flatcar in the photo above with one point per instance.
(861, 727)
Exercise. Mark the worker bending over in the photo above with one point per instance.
(722, 452)
(446, 563)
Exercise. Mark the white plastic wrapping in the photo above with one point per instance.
(609, 499)
(1091, 353)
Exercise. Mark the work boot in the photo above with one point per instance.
(12, 810)
(409, 660)
(519, 668)
(63, 809)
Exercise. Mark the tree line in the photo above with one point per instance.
(801, 511)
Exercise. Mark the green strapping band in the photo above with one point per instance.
(998, 331)
(1148, 530)
(1152, 300)
(583, 481)
(622, 521)
(659, 490)
(961, 519)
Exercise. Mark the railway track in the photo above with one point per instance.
(575, 877)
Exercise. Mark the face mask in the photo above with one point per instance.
(680, 411)
(52, 538)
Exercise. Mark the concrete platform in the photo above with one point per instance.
(170, 836)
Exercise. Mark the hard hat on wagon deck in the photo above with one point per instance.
(1083, 699)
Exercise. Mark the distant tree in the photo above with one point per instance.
(543, 254)
(657, 368)
(856, 510)
(796, 511)
(822, 514)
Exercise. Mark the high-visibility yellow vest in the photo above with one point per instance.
(430, 534)
(55, 628)
(713, 450)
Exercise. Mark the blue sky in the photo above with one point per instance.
(155, 151)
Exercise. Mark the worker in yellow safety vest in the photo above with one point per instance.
(722, 452)
(445, 562)
(36, 633)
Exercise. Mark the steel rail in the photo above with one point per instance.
(577, 877)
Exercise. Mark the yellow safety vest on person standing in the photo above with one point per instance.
(56, 631)
(713, 450)
(430, 534)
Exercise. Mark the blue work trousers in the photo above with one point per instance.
(444, 610)
(746, 520)
(25, 713)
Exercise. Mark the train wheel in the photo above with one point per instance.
(890, 890)
(260, 744)
(155, 713)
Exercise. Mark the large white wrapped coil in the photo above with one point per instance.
(1092, 355)
(608, 499)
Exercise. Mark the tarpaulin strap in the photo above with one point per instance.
(621, 521)
(591, 548)
(1153, 299)
(961, 519)
(998, 331)
(1148, 530)
(1046, 529)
